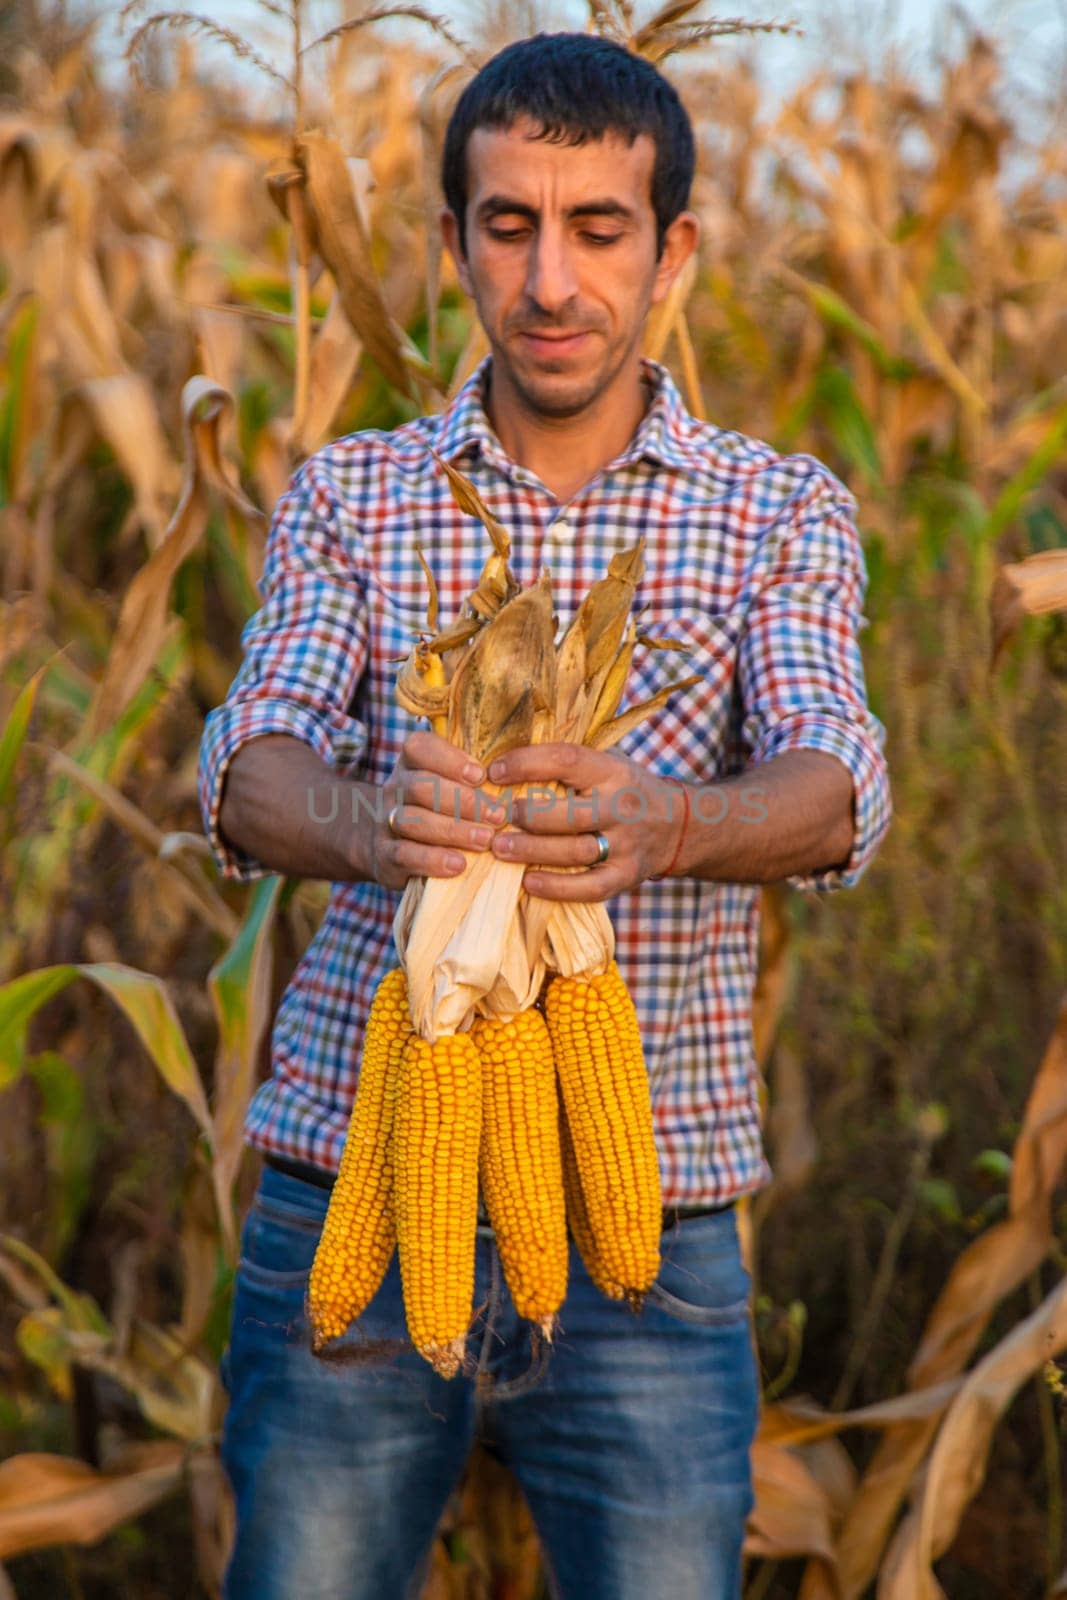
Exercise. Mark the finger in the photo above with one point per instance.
(424, 748)
(561, 760)
(551, 850)
(427, 861)
(429, 791)
(439, 829)
(541, 811)
(598, 883)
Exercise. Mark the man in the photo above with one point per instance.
(567, 167)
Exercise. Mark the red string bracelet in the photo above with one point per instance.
(681, 837)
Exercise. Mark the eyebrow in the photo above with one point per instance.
(502, 205)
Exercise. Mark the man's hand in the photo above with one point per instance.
(440, 812)
(639, 814)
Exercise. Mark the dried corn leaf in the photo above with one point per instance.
(580, 937)
(433, 603)
(469, 500)
(343, 243)
(505, 676)
(619, 726)
(957, 1463)
(800, 1421)
(240, 984)
(414, 692)
(589, 647)
(435, 104)
(495, 586)
(460, 938)
(1027, 588)
(334, 358)
(144, 612)
(614, 684)
(988, 1270)
(450, 934)
(667, 14)
(663, 316)
(124, 410)
(792, 1515)
(474, 351)
(456, 634)
(49, 1499)
(189, 883)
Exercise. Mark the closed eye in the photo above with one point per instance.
(506, 235)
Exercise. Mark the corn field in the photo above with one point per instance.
(193, 299)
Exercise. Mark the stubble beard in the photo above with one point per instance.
(546, 396)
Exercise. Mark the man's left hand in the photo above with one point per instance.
(639, 814)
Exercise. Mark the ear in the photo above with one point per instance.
(450, 235)
(679, 242)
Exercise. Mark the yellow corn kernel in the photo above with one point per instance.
(436, 1133)
(359, 1232)
(596, 1041)
(519, 1161)
(578, 1217)
(434, 677)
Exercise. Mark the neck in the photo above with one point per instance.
(566, 452)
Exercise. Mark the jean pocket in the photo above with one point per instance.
(279, 1240)
(702, 1277)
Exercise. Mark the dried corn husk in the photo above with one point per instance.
(491, 681)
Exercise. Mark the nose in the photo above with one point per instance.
(550, 276)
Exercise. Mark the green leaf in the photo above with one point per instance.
(81, 1314)
(16, 398)
(14, 734)
(839, 314)
(42, 1337)
(71, 1143)
(147, 1004)
(941, 1197)
(59, 1085)
(19, 1000)
(995, 1164)
(1009, 502)
(848, 423)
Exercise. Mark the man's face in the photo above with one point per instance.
(561, 258)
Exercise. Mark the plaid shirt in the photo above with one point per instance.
(751, 558)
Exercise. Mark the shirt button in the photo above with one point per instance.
(559, 529)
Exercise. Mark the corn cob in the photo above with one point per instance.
(359, 1233)
(436, 1134)
(519, 1162)
(578, 1216)
(596, 1041)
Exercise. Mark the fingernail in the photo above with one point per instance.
(481, 837)
(497, 814)
(455, 863)
(497, 770)
(505, 844)
(474, 772)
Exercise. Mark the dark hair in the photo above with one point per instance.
(575, 86)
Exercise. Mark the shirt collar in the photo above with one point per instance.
(662, 436)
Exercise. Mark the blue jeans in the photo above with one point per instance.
(629, 1436)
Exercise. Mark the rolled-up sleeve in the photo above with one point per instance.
(800, 669)
(304, 651)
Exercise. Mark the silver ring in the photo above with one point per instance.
(391, 818)
(603, 848)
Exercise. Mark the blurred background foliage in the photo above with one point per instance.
(193, 297)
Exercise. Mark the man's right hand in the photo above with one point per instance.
(440, 812)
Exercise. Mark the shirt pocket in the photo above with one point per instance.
(685, 736)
